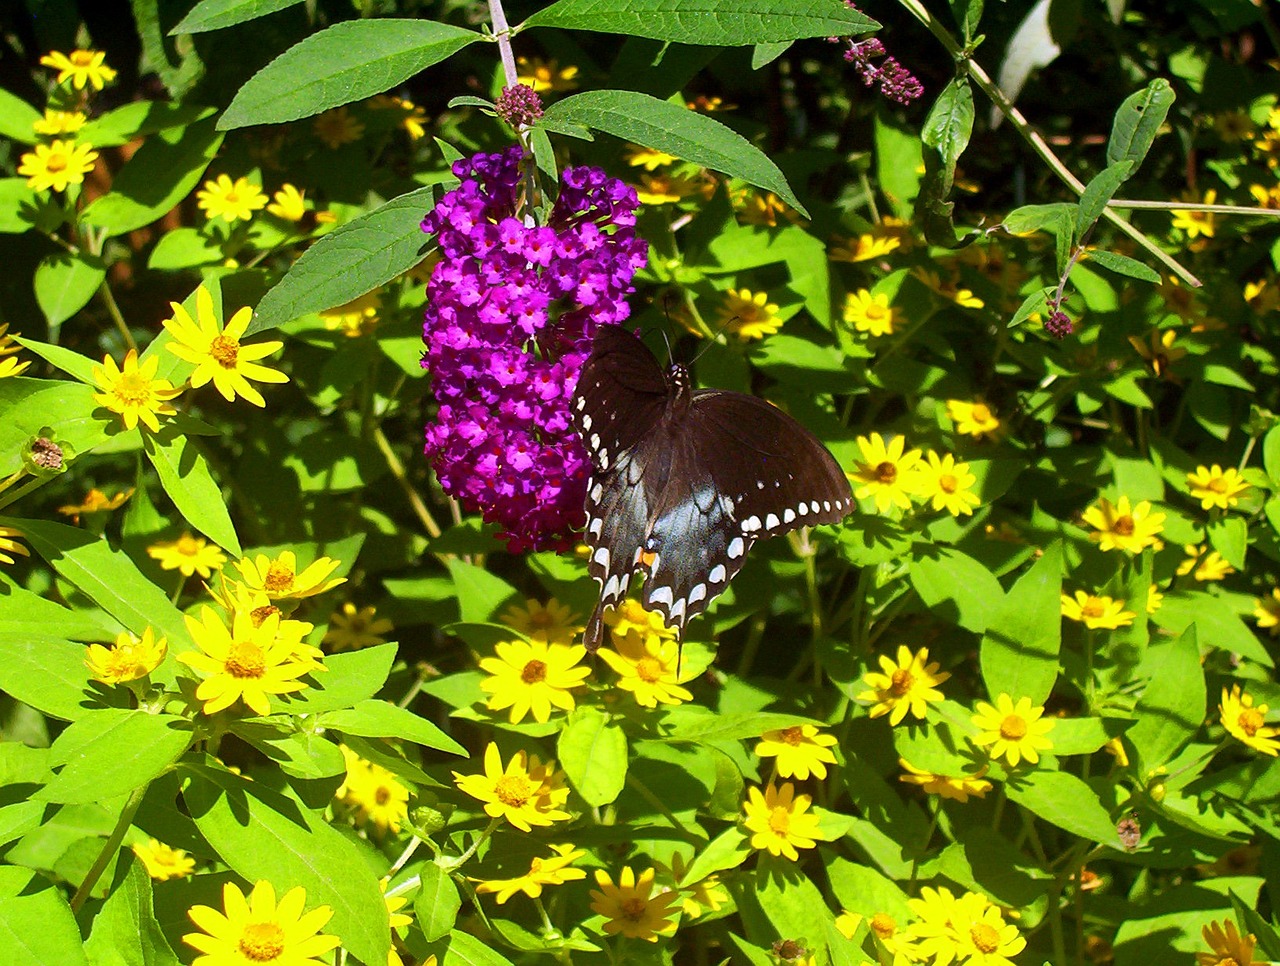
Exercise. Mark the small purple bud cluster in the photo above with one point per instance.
(895, 81)
(519, 105)
(511, 311)
(1058, 324)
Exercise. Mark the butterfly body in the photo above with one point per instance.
(685, 480)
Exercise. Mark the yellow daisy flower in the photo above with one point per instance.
(958, 788)
(134, 393)
(933, 934)
(95, 501)
(650, 159)
(1015, 732)
(975, 419)
(1216, 487)
(949, 289)
(885, 472)
(908, 684)
(352, 629)
(337, 127)
(188, 554)
(647, 666)
(667, 189)
(545, 75)
(1096, 612)
(10, 366)
(1204, 564)
(260, 931)
(1121, 527)
(864, 248)
(533, 677)
(869, 313)
(1266, 611)
(56, 166)
(279, 578)
(355, 318)
(985, 939)
(1229, 948)
(243, 662)
(1247, 723)
(216, 351)
(59, 122)
(1154, 600)
(525, 792)
(373, 793)
(9, 544)
(550, 623)
(886, 930)
(801, 751)
(162, 862)
(288, 204)
(128, 659)
(947, 483)
(749, 315)
(764, 209)
(630, 618)
(1196, 223)
(80, 67)
(230, 200)
(631, 908)
(554, 870)
(779, 820)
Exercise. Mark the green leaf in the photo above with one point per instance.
(592, 749)
(27, 613)
(139, 119)
(347, 62)
(216, 14)
(437, 903)
(380, 719)
(72, 363)
(17, 205)
(677, 130)
(29, 405)
(1062, 799)
(261, 834)
(112, 752)
(950, 124)
(1035, 302)
(480, 594)
(728, 850)
(350, 679)
(17, 118)
(1271, 454)
(162, 172)
(738, 24)
(1230, 537)
(1019, 652)
(37, 928)
(185, 476)
(1215, 621)
(697, 724)
(125, 931)
(1171, 709)
(184, 248)
(349, 261)
(64, 283)
(957, 588)
(1082, 736)
(47, 673)
(302, 754)
(465, 949)
(1138, 122)
(1033, 218)
(1123, 265)
(1097, 194)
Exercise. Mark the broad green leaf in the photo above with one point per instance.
(1230, 537)
(184, 248)
(64, 283)
(481, 595)
(112, 752)
(302, 754)
(163, 172)
(17, 205)
(1035, 302)
(17, 118)
(1215, 621)
(957, 588)
(728, 850)
(1172, 707)
(1019, 653)
(1271, 454)
(792, 904)
(47, 673)
(465, 949)
(1097, 194)
(1082, 736)
(1123, 265)
(1033, 218)
(688, 724)
(261, 834)
(1062, 799)
(29, 405)
(125, 931)
(23, 612)
(950, 124)
(1138, 122)
(139, 119)
(216, 14)
(986, 861)
(347, 62)
(349, 261)
(592, 749)
(70, 362)
(350, 679)
(185, 476)
(737, 24)
(37, 928)
(676, 130)
(381, 719)
(437, 903)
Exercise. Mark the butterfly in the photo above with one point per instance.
(685, 480)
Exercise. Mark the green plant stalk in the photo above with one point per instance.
(32, 484)
(109, 848)
(402, 479)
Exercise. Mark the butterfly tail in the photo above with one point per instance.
(594, 633)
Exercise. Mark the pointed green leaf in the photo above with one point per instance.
(125, 931)
(17, 206)
(64, 283)
(185, 476)
(1123, 265)
(381, 719)
(1138, 122)
(957, 588)
(29, 405)
(1172, 708)
(1062, 799)
(1019, 654)
(70, 362)
(216, 14)
(1097, 194)
(112, 752)
(47, 673)
(350, 679)
(37, 928)
(437, 902)
(592, 749)
(17, 118)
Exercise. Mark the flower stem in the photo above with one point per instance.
(397, 470)
(109, 848)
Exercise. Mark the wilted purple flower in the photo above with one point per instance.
(519, 105)
(511, 310)
(895, 81)
(1058, 324)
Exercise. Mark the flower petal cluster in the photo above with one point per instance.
(1015, 732)
(80, 67)
(9, 544)
(648, 666)
(258, 930)
(749, 315)
(279, 578)
(511, 310)
(56, 166)
(554, 870)
(533, 677)
(128, 659)
(975, 419)
(95, 501)
(779, 820)
(217, 352)
(1215, 487)
(1248, 723)
(1227, 945)
(353, 628)
(373, 793)
(946, 483)
(800, 751)
(886, 471)
(957, 787)
(163, 862)
(869, 313)
(907, 684)
(1096, 611)
(230, 200)
(551, 623)
(1124, 527)
(969, 929)
(188, 554)
(631, 908)
(525, 792)
(133, 392)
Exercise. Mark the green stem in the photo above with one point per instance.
(32, 484)
(402, 479)
(117, 316)
(109, 848)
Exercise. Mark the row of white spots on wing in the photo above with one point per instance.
(594, 442)
(697, 593)
(614, 588)
(737, 547)
(751, 524)
(586, 420)
(662, 595)
(726, 506)
(597, 492)
(581, 404)
(771, 521)
(677, 612)
(718, 574)
(602, 557)
(595, 525)
(788, 515)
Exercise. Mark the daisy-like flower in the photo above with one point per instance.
(545, 75)
(189, 554)
(958, 788)
(949, 289)
(1096, 612)
(1015, 732)
(525, 792)
(779, 820)
(908, 684)
(639, 156)
(1248, 723)
(630, 618)
(1154, 600)
(551, 871)
(647, 666)
(59, 122)
(56, 166)
(933, 934)
(395, 917)
(230, 200)
(9, 544)
(279, 578)
(985, 939)
(886, 930)
(801, 751)
(128, 659)
(1196, 223)
(243, 662)
(1266, 611)
(885, 472)
(80, 67)
(869, 313)
(373, 793)
(1216, 487)
(352, 629)
(864, 248)
(667, 189)
(236, 598)
(1229, 948)
(975, 419)
(749, 315)
(1266, 196)
(1121, 527)
(533, 677)
(288, 204)
(134, 393)
(764, 208)
(1159, 350)
(1205, 564)
(95, 501)
(162, 862)
(216, 351)
(631, 908)
(355, 318)
(550, 623)
(9, 366)
(705, 895)
(259, 931)
(337, 127)
(947, 483)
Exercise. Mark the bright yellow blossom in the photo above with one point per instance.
(779, 820)
(373, 793)
(800, 751)
(1229, 947)
(9, 544)
(133, 392)
(56, 166)
(905, 685)
(551, 623)
(545, 75)
(230, 200)
(1196, 223)
(1121, 527)
(885, 472)
(1015, 732)
(59, 122)
(749, 315)
(1206, 565)
(1266, 611)
(975, 419)
(524, 792)
(260, 931)
(189, 554)
(553, 870)
(80, 67)
(162, 862)
(288, 204)
(1216, 487)
(243, 662)
(947, 483)
(1248, 723)
(869, 313)
(279, 578)
(631, 908)
(1096, 611)
(95, 501)
(130, 658)
(533, 677)
(958, 788)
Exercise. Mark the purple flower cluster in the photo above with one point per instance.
(511, 311)
(519, 105)
(1058, 324)
(895, 81)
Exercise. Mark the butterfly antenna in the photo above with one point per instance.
(715, 338)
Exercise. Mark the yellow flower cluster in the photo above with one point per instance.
(64, 161)
(373, 793)
(892, 475)
(944, 928)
